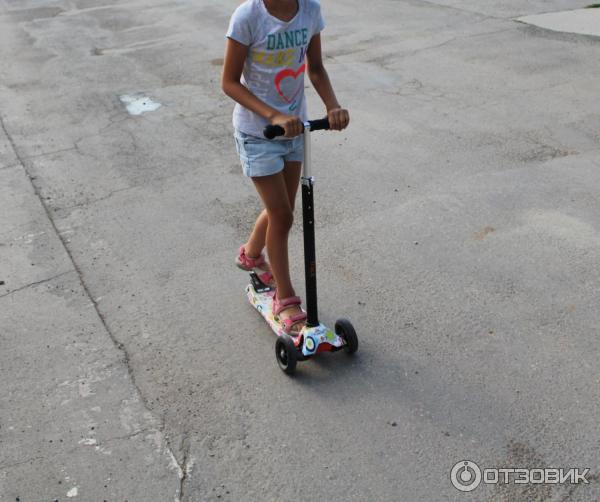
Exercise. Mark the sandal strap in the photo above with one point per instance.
(288, 323)
(280, 304)
(251, 262)
(300, 316)
(266, 277)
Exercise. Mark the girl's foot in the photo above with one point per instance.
(257, 265)
(288, 313)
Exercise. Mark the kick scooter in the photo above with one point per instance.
(314, 338)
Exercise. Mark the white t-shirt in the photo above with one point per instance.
(274, 68)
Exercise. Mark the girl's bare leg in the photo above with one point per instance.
(278, 193)
(258, 237)
(273, 192)
(291, 173)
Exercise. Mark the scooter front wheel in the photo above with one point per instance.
(345, 330)
(285, 352)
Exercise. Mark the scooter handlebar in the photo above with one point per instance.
(272, 131)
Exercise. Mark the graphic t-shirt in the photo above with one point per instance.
(274, 68)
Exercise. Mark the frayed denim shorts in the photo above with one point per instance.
(263, 157)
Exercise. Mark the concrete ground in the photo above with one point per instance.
(457, 226)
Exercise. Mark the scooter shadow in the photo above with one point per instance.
(371, 375)
(365, 372)
(329, 368)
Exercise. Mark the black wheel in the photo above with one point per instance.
(285, 352)
(345, 330)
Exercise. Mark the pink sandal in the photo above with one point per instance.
(253, 265)
(285, 303)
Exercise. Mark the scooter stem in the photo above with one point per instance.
(308, 224)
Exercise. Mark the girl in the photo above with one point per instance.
(270, 45)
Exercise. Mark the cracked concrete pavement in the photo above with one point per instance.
(457, 226)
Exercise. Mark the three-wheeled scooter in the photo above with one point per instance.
(315, 337)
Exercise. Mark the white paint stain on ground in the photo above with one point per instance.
(190, 466)
(173, 464)
(29, 238)
(104, 451)
(161, 447)
(72, 492)
(136, 105)
(88, 442)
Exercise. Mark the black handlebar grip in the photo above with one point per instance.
(319, 125)
(272, 131)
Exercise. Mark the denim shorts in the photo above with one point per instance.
(263, 157)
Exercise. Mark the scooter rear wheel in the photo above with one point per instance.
(345, 330)
(285, 352)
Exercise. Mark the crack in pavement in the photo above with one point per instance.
(379, 60)
(120, 346)
(45, 154)
(10, 166)
(458, 9)
(37, 283)
(99, 199)
(126, 436)
(124, 189)
(21, 462)
(186, 464)
(78, 447)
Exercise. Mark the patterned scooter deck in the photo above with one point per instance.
(310, 341)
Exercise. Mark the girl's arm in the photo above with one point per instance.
(338, 117)
(235, 57)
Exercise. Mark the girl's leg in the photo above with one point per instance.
(257, 240)
(291, 173)
(274, 193)
(278, 193)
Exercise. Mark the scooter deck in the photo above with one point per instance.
(310, 341)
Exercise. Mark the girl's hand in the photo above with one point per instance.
(292, 125)
(339, 118)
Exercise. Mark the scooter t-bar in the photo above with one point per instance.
(272, 131)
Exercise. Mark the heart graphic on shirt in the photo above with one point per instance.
(288, 73)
